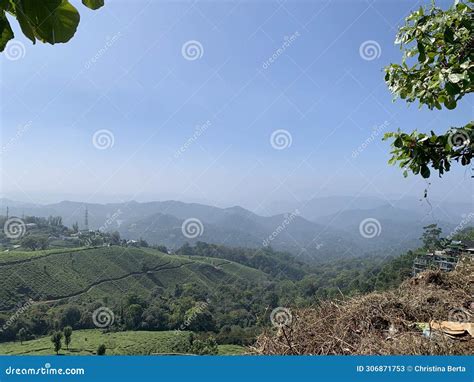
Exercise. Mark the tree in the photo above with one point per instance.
(22, 334)
(67, 336)
(34, 242)
(437, 70)
(56, 339)
(133, 316)
(115, 238)
(101, 350)
(75, 227)
(431, 237)
(70, 316)
(49, 21)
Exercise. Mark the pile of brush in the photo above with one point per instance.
(400, 321)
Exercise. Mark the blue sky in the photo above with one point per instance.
(125, 72)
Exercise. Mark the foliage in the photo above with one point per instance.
(437, 70)
(206, 346)
(101, 349)
(49, 21)
(22, 335)
(432, 237)
(34, 242)
(56, 339)
(67, 331)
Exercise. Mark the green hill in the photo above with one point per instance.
(92, 274)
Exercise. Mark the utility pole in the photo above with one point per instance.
(86, 220)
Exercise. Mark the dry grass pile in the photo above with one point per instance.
(383, 323)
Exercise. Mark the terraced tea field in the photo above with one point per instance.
(94, 273)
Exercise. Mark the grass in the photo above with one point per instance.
(86, 342)
(231, 350)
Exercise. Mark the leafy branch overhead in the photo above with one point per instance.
(49, 21)
(437, 70)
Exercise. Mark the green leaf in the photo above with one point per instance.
(425, 171)
(421, 51)
(6, 33)
(93, 4)
(25, 25)
(449, 35)
(53, 21)
(450, 103)
(5, 5)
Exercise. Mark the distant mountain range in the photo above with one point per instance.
(319, 229)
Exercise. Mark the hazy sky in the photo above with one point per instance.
(195, 96)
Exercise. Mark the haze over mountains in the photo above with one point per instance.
(317, 229)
